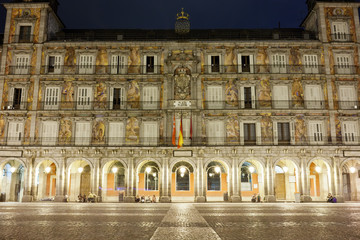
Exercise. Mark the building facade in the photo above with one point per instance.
(269, 112)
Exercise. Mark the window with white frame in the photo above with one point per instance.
(84, 98)
(250, 133)
(216, 132)
(25, 32)
(313, 96)
(86, 64)
(54, 64)
(284, 132)
(17, 98)
(214, 62)
(350, 132)
(215, 97)
(150, 97)
(247, 97)
(52, 98)
(311, 64)
(117, 98)
(348, 97)
(49, 133)
(280, 96)
(278, 63)
(343, 64)
(22, 64)
(116, 133)
(118, 64)
(340, 31)
(150, 64)
(150, 133)
(246, 63)
(82, 133)
(316, 131)
(15, 133)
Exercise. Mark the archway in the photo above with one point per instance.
(79, 179)
(351, 180)
(286, 180)
(251, 179)
(216, 181)
(45, 179)
(114, 182)
(148, 180)
(12, 181)
(320, 180)
(182, 179)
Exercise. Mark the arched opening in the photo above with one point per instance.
(319, 180)
(351, 180)
(251, 178)
(114, 182)
(12, 181)
(148, 180)
(79, 180)
(286, 179)
(216, 181)
(182, 178)
(45, 179)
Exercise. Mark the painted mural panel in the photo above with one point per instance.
(132, 131)
(2, 128)
(231, 94)
(232, 129)
(98, 132)
(100, 96)
(300, 129)
(135, 61)
(264, 93)
(67, 95)
(266, 128)
(27, 130)
(297, 92)
(65, 133)
(332, 13)
(133, 94)
(30, 14)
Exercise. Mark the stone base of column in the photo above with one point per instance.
(305, 198)
(27, 198)
(99, 199)
(270, 198)
(60, 198)
(129, 199)
(235, 198)
(200, 199)
(165, 199)
(340, 199)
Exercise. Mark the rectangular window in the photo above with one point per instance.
(215, 97)
(350, 132)
(82, 133)
(54, 64)
(15, 133)
(311, 64)
(118, 64)
(25, 34)
(49, 133)
(150, 133)
(86, 64)
(17, 98)
(117, 98)
(283, 133)
(116, 133)
(313, 97)
(340, 31)
(278, 63)
(343, 64)
(150, 64)
(247, 97)
(347, 97)
(22, 64)
(216, 133)
(84, 98)
(150, 97)
(52, 98)
(316, 132)
(249, 133)
(281, 97)
(215, 64)
(246, 63)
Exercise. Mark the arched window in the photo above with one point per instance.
(119, 176)
(279, 169)
(151, 178)
(214, 178)
(182, 179)
(246, 176)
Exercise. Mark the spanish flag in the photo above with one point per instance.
(174, 132)
(181, 139)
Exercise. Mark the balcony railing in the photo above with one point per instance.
(341, 37)
(349, 105)
(345, 69)
(11, 106)
(20, 70)
(25, 38)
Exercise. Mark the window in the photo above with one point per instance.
(151, 179)
(84, 98)
(311, 64)
(284, 133)
(278, 63)
(54, 64)
(15, 133)
(247, 97)
(215, 97)
(150, 133)
(86, 64)
(116, 133)
(340, 31)
(350, 133)
(246, 63)
(347, 97)
(118, 64)
(22, 64)
(249, 134)
(17, 98)
(49, 133)
(150, 97)
(246, 176)
(215, 133)
(214, 179)
(182, 179)
(316, 132)
(150, 62)
(24, 34)
(313, 97)
(117, 98)
(52, 98)
(214, 64)
(343, 64)
(119, 178)
(82, 133)
(281, 97)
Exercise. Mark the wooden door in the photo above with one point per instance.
(85, 184)
(280, 186)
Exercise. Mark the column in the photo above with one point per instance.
(131, 185)
(60, 179)
(336, 183)
(235, 195)
(270, 197)
(305, 197)
(27, 181)
(200, 179)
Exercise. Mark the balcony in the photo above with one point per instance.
(24, 38)
(341, 37)
(20, 70)
(349, 105)
(13, 106)
(261, 69)
(345, 69)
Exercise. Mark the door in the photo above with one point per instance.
(280, 191)
(85, 184)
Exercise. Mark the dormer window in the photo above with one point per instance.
(340, 31)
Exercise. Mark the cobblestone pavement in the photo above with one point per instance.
(208, 221)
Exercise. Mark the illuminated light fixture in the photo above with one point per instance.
(182, 170)
(318, 169)
(154, 174)
(182, 175)
(352, 170)
(211, 174)
(48, 169)
(217, 169)
(114, 169)
(285, 169)
(12, 169)
(80, 169)
(251, 169)
(148, 169)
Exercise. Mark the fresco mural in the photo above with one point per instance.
(265, 93)
(100, 96)
(65, 133)
(67, 96)
(232, 129)
(300, 129)
(133, 94)
(132, 131)
(2, 127)
(266, 128)
(231, 94)
(339, 12)
(30, 13)
(134, 63)
(98, 132)
(230, 61)
(27, 130)
(297, 92)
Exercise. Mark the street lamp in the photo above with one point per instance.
(318, 169)
(285, 169)
(80, 169)
(148, 169)
(47, 169)
(114, 169)
(182, 170)
(251, 169)
(352, 170)
(12, 169)
(217, 169)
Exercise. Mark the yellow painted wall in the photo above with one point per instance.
(255, 180)
(312, 189)
(224, 187)
(189, 193)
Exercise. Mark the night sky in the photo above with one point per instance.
(160, 14)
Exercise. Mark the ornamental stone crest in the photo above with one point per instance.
(182, 84)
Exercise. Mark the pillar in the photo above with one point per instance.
(269, 197)
(28, 197)
(60, 180)
(235, 194)
(131, 191)
(165, 183)
(336, 183)
(201, 197)
(305, 197)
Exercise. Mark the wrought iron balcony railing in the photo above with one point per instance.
(345, 69)
(15, 106)
(20, 70)
(341, 37)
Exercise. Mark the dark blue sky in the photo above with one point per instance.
(161, 13)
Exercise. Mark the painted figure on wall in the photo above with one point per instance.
(132, 130)
(100, 95)
(300, 129)
(2, 127)
(27, 130)
(231, 94)
(133, 96)
(266, 128)
(297, 94)
(98, 132)
(264, 93)
(65, 131)
(68, 93)
(232, 129)
(134, 61)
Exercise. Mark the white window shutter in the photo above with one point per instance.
(156, 68)
(258, 133)
(252, 66)
(114, 64)
(22, 101)
(242, 97)
(116, 133)
(11, 97)
(57, 64)
(253, 97)
(242, 133)
(275, 130)
(111, 97)
(144, 64)
(239, 63)
(122, 97)
(292, 133)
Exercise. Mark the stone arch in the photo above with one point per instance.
(6, 160)
(257, 160)
(71, 161)
(104, 162)
(222, 161)
(140, 163)
(346, 161)
(39, 161)
(326, 161)
(175, 161)
(296, 163)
